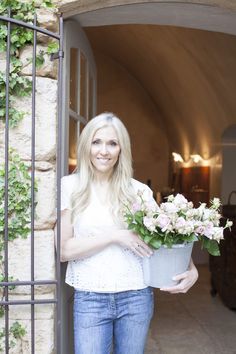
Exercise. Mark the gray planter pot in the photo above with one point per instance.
(159, 269)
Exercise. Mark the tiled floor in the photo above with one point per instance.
(192, 323)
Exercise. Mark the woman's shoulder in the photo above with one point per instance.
(146, 192)
(70, 180)
(137, 185)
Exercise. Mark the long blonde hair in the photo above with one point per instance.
(120, 182)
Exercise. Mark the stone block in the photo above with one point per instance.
(23, 312)
(47, 19)
(44, 258)
(45, 211)
(3, 62)
(45, 122)
(44, 338)
(47, 69)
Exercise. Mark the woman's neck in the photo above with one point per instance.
(101, 180)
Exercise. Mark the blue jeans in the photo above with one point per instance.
(103, 321)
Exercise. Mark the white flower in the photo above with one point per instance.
(229, 223)
(218, 234)
(149, 223)
(190, 214)
(169, 208)
(190, 205)
(170, 198)
(189, 227)
(183, 226)
(199, 228)
(216, 203)
(200, 210)
(162, 221)
(180, 200)
(208, 229)
(180, 224)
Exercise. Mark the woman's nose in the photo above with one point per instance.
(104, 149)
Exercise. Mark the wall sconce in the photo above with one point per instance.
(177, 157)
(196, 158)
(72, 162)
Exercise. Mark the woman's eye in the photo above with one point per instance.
(95, 142)
(113, 143)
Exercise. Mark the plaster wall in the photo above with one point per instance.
(81, 6)
(122, 94)
(229, 168)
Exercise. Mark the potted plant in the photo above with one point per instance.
(171, 229)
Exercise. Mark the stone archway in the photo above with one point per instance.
(214, 15)
(213, 86)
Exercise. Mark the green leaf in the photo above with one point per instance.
(155, 243)
(211, 246)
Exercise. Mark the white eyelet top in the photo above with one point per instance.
(114, 268)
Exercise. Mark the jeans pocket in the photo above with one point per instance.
(87, 310)
(141, 306)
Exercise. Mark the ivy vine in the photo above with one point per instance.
(19, 204)
(19, 86)
(19, 179)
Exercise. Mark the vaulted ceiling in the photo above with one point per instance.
(189, 74)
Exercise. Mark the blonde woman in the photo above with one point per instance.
(112, 305)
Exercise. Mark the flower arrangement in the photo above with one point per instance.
(176, 221)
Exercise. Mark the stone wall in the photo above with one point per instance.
(45, 213)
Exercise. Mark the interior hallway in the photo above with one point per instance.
(192, 323)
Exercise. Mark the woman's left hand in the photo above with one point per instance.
(186, 279)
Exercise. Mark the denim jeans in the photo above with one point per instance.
(105, 320)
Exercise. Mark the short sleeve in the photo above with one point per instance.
(65, 193)
(146, 192)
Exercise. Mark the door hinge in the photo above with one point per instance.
(57, 55)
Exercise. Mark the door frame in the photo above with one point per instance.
(74, 37)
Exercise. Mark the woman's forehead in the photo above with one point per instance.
(107, 132)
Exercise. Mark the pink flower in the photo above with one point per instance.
(136, 207)
(162, 221)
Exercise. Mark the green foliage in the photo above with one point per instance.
(211, 246)
(154, 238)
(19, 179)
(52, 47)
(16, 332)
(19, 204)
(19, 199)
(20, 36)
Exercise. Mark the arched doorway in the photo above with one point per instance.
(107, 25)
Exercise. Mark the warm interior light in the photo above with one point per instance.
(177, 157)
(196, 158)
(72, 162)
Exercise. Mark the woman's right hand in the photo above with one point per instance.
(128, 239)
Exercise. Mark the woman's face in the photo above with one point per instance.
(105, 150)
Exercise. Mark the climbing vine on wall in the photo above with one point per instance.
(19, 204)
(19, 86)
(19, 178)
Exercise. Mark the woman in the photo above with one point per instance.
(112, 305)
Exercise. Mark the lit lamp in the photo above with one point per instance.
(196, 158)
(72, 164)
(177, 157)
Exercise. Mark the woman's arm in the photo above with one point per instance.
(186, 279)
(75, 248)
